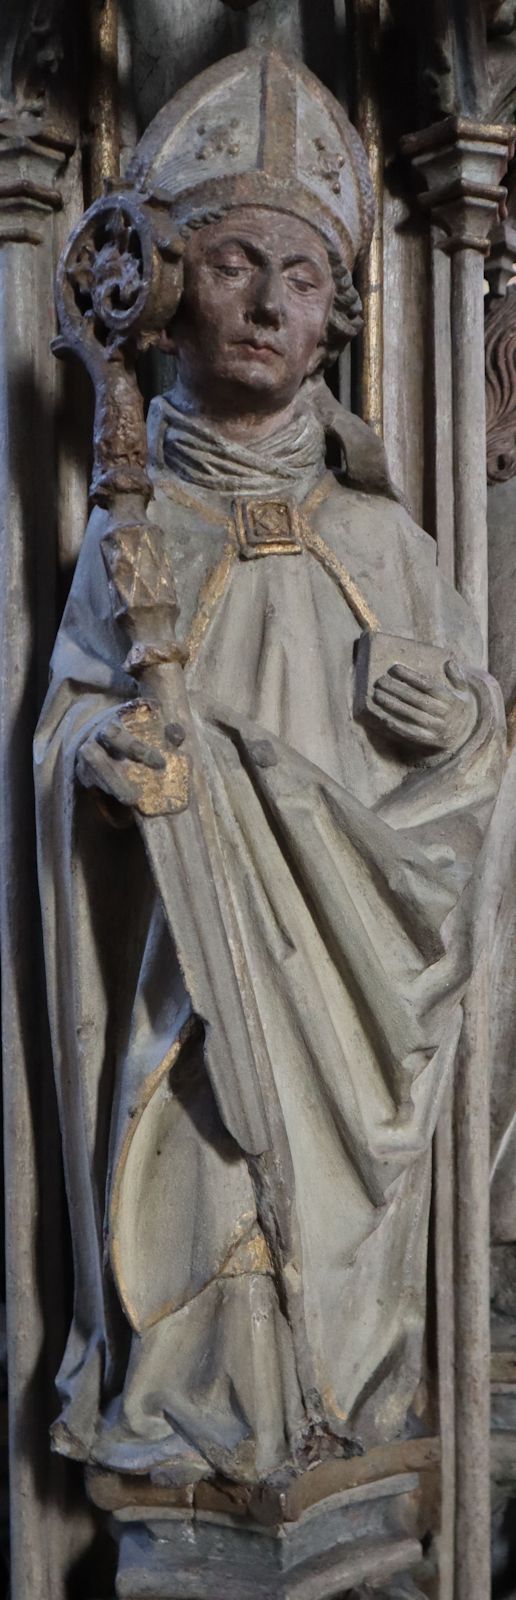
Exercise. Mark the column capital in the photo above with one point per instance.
(500, 267)
(33, 160)
(461, 161)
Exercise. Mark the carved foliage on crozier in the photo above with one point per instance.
(118, 285)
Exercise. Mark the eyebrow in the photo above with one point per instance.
(302, 258)
(243, 244)
(257, 254)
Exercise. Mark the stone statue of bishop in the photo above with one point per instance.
(247, 1134)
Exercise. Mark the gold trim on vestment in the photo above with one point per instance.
(252, 1255)
(319, 493)
(150, 1085)
(216, 581)
(212, 591)
(177, 491)
(223, 519)
(248, 1252)
(348, 588)
(266, 527)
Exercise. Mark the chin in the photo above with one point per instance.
(258, 377)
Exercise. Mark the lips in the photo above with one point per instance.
(260, 346)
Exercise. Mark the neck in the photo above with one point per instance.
(199, 446)
(244, 426)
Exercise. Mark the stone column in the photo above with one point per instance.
(461, 163)
(367, 33)
(33, 169)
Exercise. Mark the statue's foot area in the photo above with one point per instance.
(172, 1461)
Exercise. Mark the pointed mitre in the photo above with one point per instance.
(258, 129)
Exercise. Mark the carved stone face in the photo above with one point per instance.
(258, 290)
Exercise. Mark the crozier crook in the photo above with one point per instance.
(118, 284)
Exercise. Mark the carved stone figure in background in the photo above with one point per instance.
(255, 993)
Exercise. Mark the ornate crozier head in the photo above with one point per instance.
(267, 183)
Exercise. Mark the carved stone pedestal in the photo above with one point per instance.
(363, 1535)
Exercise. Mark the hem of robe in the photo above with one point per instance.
(232, 1404)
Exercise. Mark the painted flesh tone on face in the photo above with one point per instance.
(251, 324)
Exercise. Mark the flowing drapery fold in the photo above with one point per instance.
(349, 870)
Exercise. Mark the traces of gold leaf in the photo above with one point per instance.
(165, 791)
(211, 592)
(330, 1402)
(149, 1088)
(319, 493)
(266, 527)
(252, 1255)
(348, 588)
(207, 513)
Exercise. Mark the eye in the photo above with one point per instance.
(300, 283)
(229, 263)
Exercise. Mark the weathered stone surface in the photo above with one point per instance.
(256, 1008)
(363, 1535)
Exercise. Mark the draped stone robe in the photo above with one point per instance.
(349, 866)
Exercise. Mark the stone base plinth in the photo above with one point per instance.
(363, 1535)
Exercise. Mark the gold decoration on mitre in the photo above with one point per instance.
(259, 129)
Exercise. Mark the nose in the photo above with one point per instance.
(266, 306)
